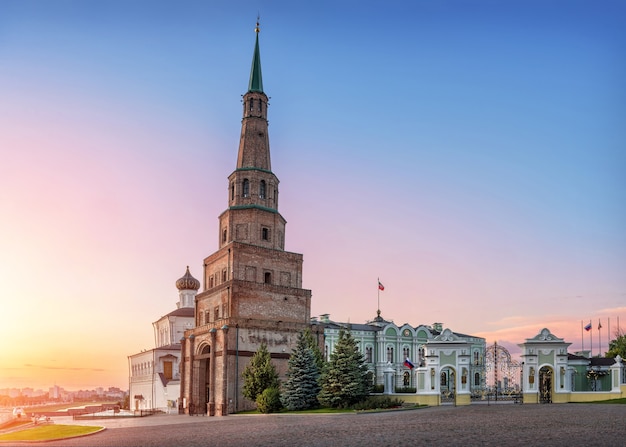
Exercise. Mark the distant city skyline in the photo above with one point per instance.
(470, 154)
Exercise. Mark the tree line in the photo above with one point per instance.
(342, 382)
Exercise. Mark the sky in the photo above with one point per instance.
(469, 153)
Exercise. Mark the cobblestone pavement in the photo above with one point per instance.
(494, 425)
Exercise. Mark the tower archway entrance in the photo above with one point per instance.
(204, 380)
(545, 385)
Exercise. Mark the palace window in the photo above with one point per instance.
(368, 354)
(475, 357)
(262, 189)
(246, 187)
(406, 379)
(476, 379)
(389, 354)
(405, 353)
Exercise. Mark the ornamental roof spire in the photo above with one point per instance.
(256, 80)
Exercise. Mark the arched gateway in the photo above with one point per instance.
(445, 375)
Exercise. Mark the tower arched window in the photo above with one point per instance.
(232, 191)
(224, 234)
(246, 187)
(262, 189)
(251, 104)
(268, 277)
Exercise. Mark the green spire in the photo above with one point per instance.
(256, 80)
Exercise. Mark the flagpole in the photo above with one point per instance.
(599, 337)
(591, 340)
(378, 288)
(582, 337)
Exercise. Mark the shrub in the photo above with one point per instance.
(378, 402)
(405, 389)
(269, 400)
(378, 389)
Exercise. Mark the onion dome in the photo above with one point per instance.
(187, 282)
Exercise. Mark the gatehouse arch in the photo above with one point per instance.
(546, 384)
(444, 376)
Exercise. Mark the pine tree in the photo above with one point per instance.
(302, 385)
(260, 374)
(345, 380)
(315, 347)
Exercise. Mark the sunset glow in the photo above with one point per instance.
(470, 154)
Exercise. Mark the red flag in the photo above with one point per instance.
(380, 286)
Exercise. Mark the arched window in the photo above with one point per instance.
(224, 275)
(444, 379)
(232, 191)
(224, 236)
(475, 357)
(406, 379)
(389, 354)
(268, 277)
(405, 353)
(246, 187)
(251, 104)
(368, 354)
(265, 234)
(210, 282)
(476, 379)
(262, 189)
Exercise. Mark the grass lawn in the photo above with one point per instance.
(62, 406)
(48, 432)
(612, 401)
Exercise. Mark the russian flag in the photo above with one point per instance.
(408, 363)
(588, 327)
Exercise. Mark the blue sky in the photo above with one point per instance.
(470, 154)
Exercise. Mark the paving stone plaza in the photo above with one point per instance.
(478, 424)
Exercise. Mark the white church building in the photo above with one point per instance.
(154, 376)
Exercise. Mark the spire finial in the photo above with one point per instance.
(257, 29)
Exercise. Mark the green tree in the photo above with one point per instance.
(301, 388)
(315, 348)
(259, 374)
(617, 347)
(345, 380)
(269, 400)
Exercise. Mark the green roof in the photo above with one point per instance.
(256, 80)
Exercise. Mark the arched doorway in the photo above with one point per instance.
(447, 385)
(204, 380)
(545, 385)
